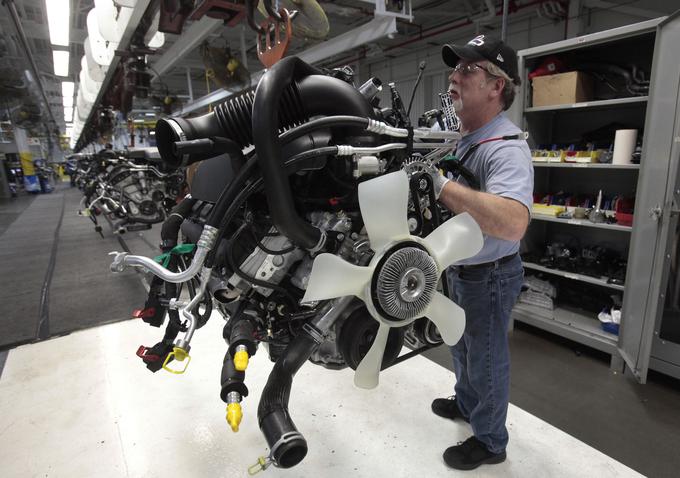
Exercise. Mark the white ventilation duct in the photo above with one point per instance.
(88, 87)
(102, 52)
(94, 70)
(107, 13)
(84, 107)
(154, 38)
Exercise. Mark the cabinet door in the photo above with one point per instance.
(655, 216)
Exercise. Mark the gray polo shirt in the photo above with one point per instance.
(503, 168)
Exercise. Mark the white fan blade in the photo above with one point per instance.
(367, 372)
(383, 203)
(334, 277)
(458, 238)
(448, 316)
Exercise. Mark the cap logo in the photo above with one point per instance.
(500, 58)
(477, 41)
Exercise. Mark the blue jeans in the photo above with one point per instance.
(481, 359)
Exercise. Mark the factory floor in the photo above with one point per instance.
(81, 404)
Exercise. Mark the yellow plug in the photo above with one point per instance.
(234, 415)
(241, 359)
(180, 355)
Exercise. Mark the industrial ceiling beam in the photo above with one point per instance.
(194, 36)
(125, 40)
(377, 28)
(628, 10)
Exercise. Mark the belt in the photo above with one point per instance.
(483, 265)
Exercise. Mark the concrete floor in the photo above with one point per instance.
(84, 406)
(572, 387)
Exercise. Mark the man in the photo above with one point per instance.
(482, 86)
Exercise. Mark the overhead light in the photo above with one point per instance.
(58, 20)
(68, 114)
(67, 88)
(60, 59)
(68, 101)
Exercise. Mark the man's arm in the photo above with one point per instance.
(497, 216)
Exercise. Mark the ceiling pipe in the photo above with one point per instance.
(504, 24)
(438, 30)
(27, 50)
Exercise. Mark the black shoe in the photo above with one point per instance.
(471, 453)
(448, 408)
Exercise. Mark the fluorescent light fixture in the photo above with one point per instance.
(58, 20)
(68, 114)
(68, 101)
(150, 115)
(67, 88)
(60, 59)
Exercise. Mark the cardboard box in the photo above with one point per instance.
(562, 88)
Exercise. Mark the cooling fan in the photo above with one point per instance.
(399, 284)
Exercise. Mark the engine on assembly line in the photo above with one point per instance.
(302, 177)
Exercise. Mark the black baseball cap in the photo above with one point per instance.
(484, 47)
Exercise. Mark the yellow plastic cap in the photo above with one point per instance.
(180, 355)
(241, 361)
(234, 415)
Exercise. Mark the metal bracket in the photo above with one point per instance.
(270, 53)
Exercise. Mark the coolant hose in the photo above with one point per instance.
(288, 446)
(321, 95)
(171, 226)
(155, 219)
(231, 380)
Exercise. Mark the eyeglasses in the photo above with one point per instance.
(469, 68)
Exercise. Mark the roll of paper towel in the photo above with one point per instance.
(624, 146)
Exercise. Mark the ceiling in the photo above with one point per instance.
(432, 23)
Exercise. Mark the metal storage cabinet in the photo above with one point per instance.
(649, 332)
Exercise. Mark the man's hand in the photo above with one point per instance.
(438, 181)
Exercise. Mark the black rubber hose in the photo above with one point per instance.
(172, 225)
(242, 193)
(243, 173)
(327, 122)
(231, 380)
(242, 334)
(229, 193)
(321, 95)
(272, 413)
(145, 220)
(206, 148)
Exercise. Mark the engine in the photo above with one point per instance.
(323, 242)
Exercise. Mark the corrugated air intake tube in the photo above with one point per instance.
(231, 120)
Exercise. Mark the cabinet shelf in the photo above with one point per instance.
(590, 105)
(539, 164)
(572, 276)
(583, 223)
(573, 324)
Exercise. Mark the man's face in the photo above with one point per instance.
(469, 85)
